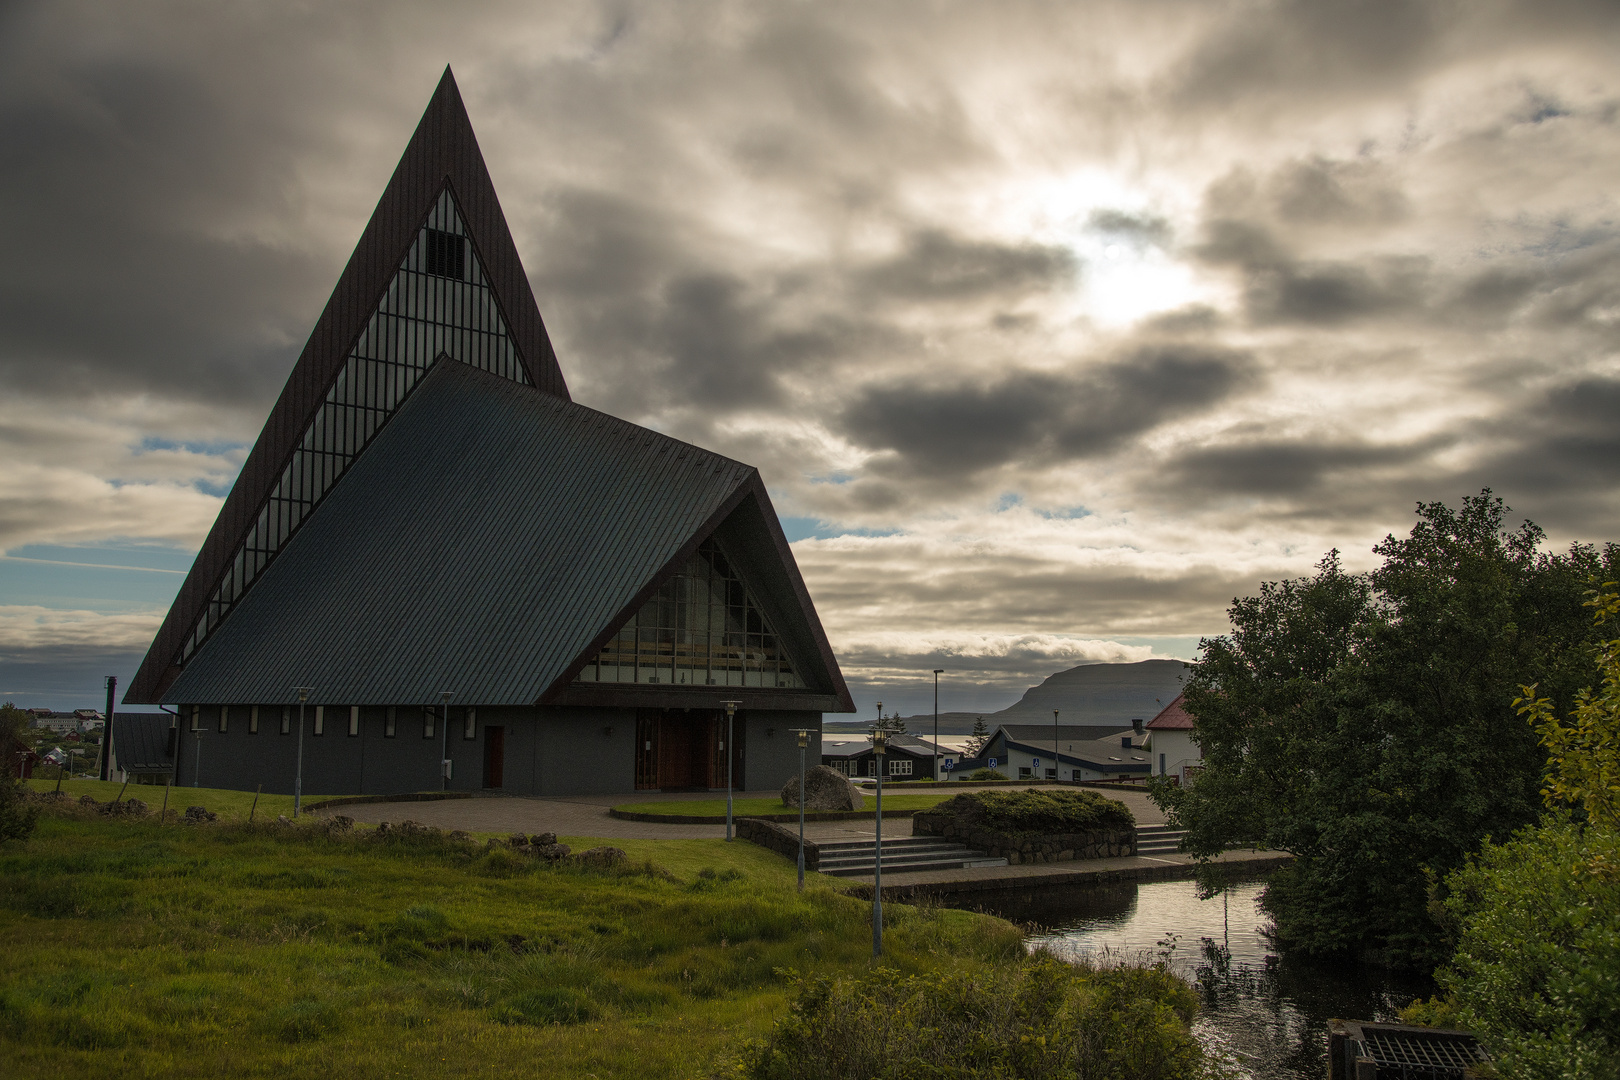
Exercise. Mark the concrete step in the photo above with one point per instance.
(1158, 839)
(902, 854)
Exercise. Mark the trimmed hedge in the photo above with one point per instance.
(1039, 811)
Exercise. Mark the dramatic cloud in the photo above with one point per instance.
(1051, 329)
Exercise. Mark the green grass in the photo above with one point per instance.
(232, 805)
(135, 949)
(717, 807)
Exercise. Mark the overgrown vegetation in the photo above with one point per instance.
(139, 949)
(16, 817)
(1536, 970)
(1362, 722)
(1042, 1018)
(1040, 811)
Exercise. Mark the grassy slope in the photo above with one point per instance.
(711, 807)
(233, 805)
(134, 949)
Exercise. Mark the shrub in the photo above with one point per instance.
(17, 817)
(1036, 1019)
(1041, 811)
(1537, 967)
(986, 774)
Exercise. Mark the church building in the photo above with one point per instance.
(436, 569)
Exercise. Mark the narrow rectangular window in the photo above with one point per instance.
(427, 721)
(286, 719)
(354, 720)
(388, 724)
(196, 725)
(320, 719)
(224, 718)
(470, 731)
(253, 720)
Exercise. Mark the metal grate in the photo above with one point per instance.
(1420, 1053)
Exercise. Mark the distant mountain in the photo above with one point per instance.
(1091, 694)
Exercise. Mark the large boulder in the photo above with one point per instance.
(825, 789)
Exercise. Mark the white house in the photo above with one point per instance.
(1171, 744)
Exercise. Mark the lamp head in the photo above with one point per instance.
(880, 740)
(804, 737)
(303, 694)
(730, 707)
(445, 696)
(939, 671)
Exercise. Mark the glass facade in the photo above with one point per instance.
(703, 628)
(438, 303)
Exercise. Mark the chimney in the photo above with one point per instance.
(1137, 725)
(1125, 742)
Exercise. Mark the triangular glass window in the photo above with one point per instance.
(438, 303)
(702, 628)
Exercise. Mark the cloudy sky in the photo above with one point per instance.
(1052, 327)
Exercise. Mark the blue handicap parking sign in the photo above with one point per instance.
(1036, 763)
(992, 763)
(949, 764)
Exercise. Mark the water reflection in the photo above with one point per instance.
(1264, 1012)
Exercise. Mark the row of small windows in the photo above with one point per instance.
(898, 766)
(702, 628)
(439, 304)
(285, 716)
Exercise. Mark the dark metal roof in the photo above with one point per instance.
(1076, 732)
(489, 535)
(443, 152)
(1104, 755)
(141, 742)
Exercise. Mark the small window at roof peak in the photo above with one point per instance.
(445, 254)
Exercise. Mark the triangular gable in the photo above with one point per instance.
(748, 535)
(703, 626)
(435, 273)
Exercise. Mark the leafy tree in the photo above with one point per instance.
(1362, 722)
(1536, 971)
(16, 818)
(980, 737)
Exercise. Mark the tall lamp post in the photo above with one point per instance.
(107, 732)
(937, 673)
(804, 741)
(298, 776)
(1057, 773)
(444, 742)
(731, 757)
(880, 750)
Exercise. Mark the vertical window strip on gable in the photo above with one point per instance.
(437, 303)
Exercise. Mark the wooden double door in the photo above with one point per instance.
(685, 750)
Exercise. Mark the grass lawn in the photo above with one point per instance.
(717, 807)
(232, 805)
(134, 949)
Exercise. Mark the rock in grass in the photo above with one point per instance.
(604, 856)
(196, 815)
(825, 789)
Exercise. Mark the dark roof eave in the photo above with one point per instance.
(629, 696)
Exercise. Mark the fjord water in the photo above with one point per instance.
(1264, 1012)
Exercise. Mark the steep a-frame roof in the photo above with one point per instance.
(487, 542)
(442, 154)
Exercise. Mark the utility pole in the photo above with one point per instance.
(731, 757)
(107, 732)
(880, 750)
(298, 776)
(937, 673)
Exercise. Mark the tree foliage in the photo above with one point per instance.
(1536, 971)
(1584, 751)
(1364, 722)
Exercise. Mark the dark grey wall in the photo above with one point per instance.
(772, 750)
(548, 751)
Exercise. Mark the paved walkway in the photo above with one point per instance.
(587, 815)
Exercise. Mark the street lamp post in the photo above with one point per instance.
(937, 673)
(444, 742)
(196, 766)
(1057, 773)
(880, 750)
(731, 757)
(298, 776)
(804, 741)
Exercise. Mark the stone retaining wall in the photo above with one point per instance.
(778, 838)
(1018, 848)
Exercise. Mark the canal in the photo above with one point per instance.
(1261, 1011)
